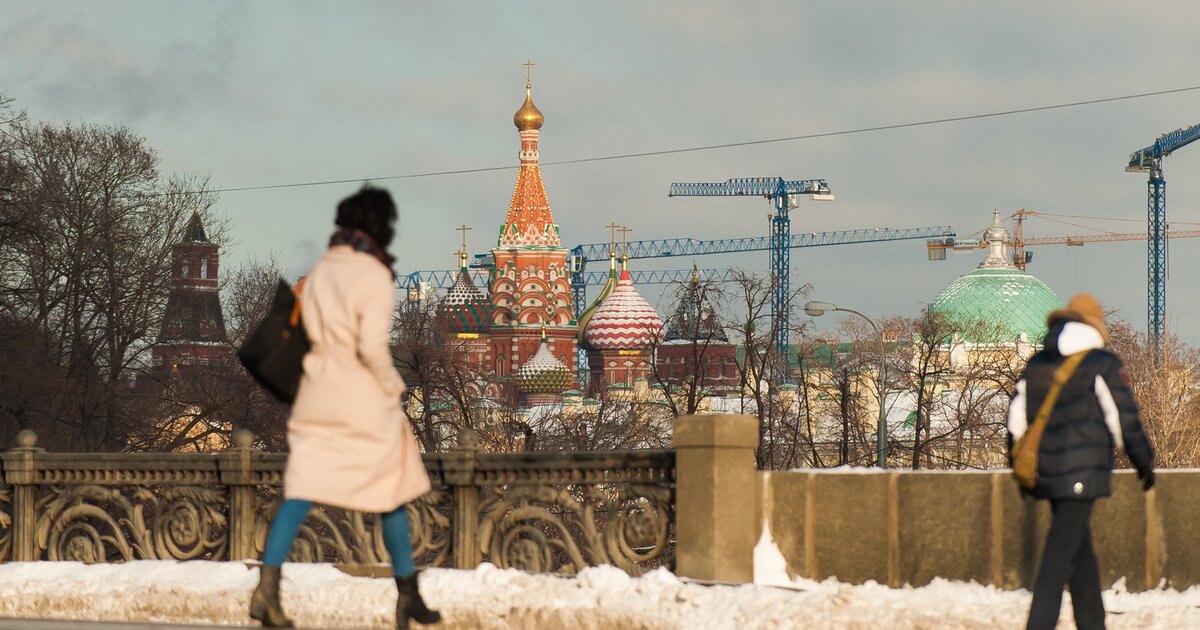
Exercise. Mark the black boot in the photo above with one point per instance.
(264, 604)
(409, 604)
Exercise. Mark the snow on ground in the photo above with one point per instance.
(603, 597)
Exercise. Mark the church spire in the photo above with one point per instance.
(529, 222)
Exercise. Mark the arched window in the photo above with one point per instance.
(204, 267)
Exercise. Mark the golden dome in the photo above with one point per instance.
(528, 117)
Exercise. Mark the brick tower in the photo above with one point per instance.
(193, 330)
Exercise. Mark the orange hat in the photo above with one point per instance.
(1082, 308)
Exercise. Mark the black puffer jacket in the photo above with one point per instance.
(1095, 411)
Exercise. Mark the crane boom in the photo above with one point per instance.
(1142, 160)
(1102, 238)
(660, 248)
(753, 186)
(693, 247)
(938, 247)
(445, 278)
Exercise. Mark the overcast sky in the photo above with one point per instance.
(257, 93)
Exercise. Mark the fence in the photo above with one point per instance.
(551, 512)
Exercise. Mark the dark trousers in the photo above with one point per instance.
(1069, 560)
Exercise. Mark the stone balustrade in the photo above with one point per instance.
(552, 512)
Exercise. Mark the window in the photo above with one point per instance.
(183, 269)
(204, 267)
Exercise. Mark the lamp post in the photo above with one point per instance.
(817, 309)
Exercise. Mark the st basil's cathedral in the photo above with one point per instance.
(524, 331)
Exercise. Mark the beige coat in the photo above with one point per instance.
(351, 444)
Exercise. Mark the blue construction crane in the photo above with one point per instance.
(783, 193)
(670, 247)
(1149, 160)
(445, 278)
(581, 255)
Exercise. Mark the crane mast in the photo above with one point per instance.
(783, 194)
(1149, 160)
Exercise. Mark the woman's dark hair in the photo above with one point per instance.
(370, 210)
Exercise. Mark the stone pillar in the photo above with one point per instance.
(236, 469)
(21, 472)
(715, 497)
(459, 474)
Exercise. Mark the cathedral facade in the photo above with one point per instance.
(524, 331)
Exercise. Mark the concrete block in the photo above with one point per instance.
(786, 515)
(1119, 533)
(1024, 524)
(851, 526)
(945, 527)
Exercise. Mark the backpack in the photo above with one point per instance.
(1025, 451)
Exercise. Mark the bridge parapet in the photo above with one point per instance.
(551, 512)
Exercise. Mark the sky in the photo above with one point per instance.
(266, 92)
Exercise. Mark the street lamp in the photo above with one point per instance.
(817, 309)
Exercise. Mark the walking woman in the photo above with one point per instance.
(1094, 413)
(350, 444)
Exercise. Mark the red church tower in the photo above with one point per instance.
(530, 284)
(193, 330)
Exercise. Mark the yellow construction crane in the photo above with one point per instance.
(1020, 258)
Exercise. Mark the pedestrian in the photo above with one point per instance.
(350, 444)
(1094, 412)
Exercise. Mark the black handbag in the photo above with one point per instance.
(274, 353)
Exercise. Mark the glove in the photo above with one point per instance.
(1147, 478)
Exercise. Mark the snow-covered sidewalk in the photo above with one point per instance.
(321, 596)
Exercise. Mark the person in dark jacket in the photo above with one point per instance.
(1095, 411)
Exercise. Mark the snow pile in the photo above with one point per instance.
(488, 597)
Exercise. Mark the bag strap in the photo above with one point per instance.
(1061, 376)
(294, 319)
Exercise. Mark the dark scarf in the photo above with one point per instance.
(362, 242)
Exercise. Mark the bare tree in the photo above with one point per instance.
(763, 373)
(1167, 389)
(89, 272)
(610, 422)
(450, 389)
(960, 376)
(690, 335)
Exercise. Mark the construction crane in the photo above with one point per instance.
(1020, 258)
(784, 195)
(445, 278)
(581, 255)
(1149, 160)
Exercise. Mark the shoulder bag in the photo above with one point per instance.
(274, 352)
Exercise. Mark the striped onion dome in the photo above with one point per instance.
(465, 309)
(543, 373)
(624, 321)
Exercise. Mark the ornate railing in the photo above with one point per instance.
(548, 512)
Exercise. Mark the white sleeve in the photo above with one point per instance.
(1112, 417)
(1017, 419)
